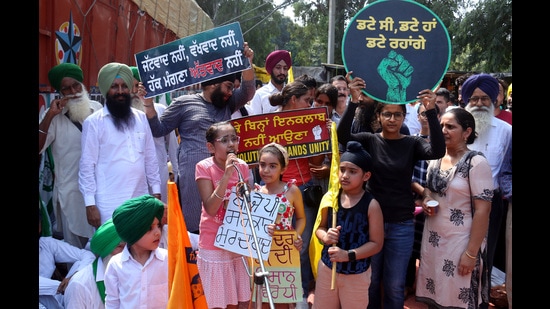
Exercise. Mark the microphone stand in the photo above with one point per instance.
(259, 276)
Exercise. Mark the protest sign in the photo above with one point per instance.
(303, 132)
(283, 266)
(398, 47)
(235, 233)
(204, 56)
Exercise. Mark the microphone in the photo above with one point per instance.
(244, 187)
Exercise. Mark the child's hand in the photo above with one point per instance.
(298, 243)
(337, 255)
(270, 229)
(329, 124)
(230, 162)
(332, 235)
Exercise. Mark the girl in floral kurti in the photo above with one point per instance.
(452, 271)
(273, 161)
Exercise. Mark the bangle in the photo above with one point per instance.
(40, 131)
(469, 255)
(216, 195)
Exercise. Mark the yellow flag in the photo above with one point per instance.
(184, 284)
(330, 199)
(290, 73)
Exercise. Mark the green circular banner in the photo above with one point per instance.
(398, 47)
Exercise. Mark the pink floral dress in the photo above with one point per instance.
(285, 211)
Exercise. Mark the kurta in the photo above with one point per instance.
(446, 235)
(64, 139)
(116, 165)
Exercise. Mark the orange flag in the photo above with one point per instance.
(184, 284)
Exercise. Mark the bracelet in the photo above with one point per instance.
(469, 255)
(40, 131)
(216, 195)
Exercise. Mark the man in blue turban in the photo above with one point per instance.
(494, 136)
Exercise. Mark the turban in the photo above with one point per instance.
(483, 81)
(509, 90)
(105, 239)
(226, 78)
(58, 72)
(134, 217)
(274, 58)
(356, 154)
(135, 72)
(109, 72)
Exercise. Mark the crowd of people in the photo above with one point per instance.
(112, 167)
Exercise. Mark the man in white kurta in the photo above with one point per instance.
(50, 252)
(58, 131)
(117, 163)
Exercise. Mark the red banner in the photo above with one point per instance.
(303, 132)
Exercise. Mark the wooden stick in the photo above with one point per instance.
(333, 281)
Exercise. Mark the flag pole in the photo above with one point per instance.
(333, 279)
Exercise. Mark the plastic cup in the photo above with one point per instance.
(434, 205)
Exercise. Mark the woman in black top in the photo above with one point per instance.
(394, 155)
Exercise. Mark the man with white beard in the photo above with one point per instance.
(166, 146)
(493, 139)
(60, 128)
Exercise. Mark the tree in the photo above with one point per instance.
(483, 40)
(480, 30)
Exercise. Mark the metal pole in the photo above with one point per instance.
(259, 276)
(331, 18)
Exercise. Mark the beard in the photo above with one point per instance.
(279, 80)
(483, 116)
(120, 107)
(136, 103)
(79, 107)
(218, 98)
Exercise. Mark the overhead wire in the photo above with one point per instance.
(276, 8)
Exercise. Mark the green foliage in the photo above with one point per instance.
(483, 39)
(480, 30)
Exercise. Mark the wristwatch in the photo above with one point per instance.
(351, 255)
